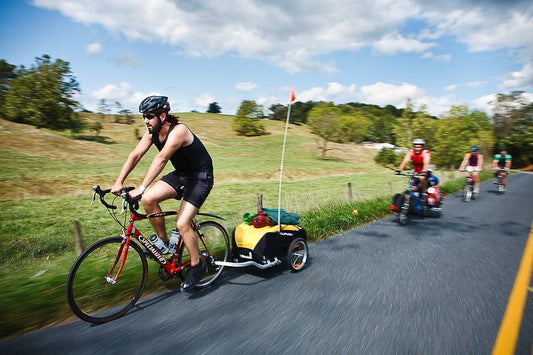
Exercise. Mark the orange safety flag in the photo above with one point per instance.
(293, 97)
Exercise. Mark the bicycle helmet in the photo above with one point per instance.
(419, 141)
(474, 148)
(154, 104)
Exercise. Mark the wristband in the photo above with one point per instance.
(142, 188)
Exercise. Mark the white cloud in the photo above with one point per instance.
(470, 84)
(389, 94)
(393, 43)
(93, 48)
(519, 79)
(245, 86)
(484, 103)
(290, 35)
(126, 59)
(334, 92)
(122, 93)
(293, 35)
(383, 94)
(201, 101)
(299, 35)
(441, 57)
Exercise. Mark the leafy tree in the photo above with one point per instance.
(404, 131)
(300, 111)
(96, 127)
(324, 120)
(43, 95)
(247, 122)
(415, 124)
(103, 107)
(279, 112)
(354, 126)
(458, 130)
(382, 121)
(520, 142)
(513, 126)
(127, 115)
(214, 108)
(7, 74)
(387, 156)
(506, 109)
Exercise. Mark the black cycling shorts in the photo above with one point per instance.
(192, 187)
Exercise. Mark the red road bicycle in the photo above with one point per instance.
(108, 278)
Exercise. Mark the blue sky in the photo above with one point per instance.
(437, 53)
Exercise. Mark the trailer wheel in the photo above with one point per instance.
(297, 254)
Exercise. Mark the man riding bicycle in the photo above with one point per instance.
(502, 161)
(192, 178)
(472, 164)
(421, 159)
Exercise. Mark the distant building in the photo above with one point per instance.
(379, 146)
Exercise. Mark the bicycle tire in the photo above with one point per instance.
(214, 245)
(89, 293)
(467, 192)
(403, 211)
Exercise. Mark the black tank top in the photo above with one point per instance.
(190, 159)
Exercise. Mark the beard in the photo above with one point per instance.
(154, 129)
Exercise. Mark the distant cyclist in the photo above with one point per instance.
(421, 159)
(472, 164)
(502, 161)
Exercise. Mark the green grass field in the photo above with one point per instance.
(46, 180)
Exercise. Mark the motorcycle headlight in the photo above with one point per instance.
(431, 190)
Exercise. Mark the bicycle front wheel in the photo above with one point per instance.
(107, 280)
(214, 246)
(467, 192)
(404, 209)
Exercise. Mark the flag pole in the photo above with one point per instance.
(283, 156)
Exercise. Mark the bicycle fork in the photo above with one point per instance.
(122, 254)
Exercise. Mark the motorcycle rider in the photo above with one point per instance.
(472, 164)
(421, 159)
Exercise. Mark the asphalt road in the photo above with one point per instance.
(434, 286)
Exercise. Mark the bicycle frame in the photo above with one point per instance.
(132, 232)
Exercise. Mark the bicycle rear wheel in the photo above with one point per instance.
(92, 293)
(214, 246)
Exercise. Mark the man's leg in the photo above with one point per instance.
(423, 184)
(151, 198)
(183, 224)
(475, 174)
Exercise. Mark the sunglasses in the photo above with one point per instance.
(150, 116)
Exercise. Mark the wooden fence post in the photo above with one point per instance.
(350, 193)
(259, 202)
(78, 241)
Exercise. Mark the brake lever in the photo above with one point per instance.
(94, 198)
(124, 196)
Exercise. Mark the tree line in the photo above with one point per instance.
(449, 136)
(43, 95)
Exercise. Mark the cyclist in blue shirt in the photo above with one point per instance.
(472, 164)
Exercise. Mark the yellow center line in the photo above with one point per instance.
(510, 327)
